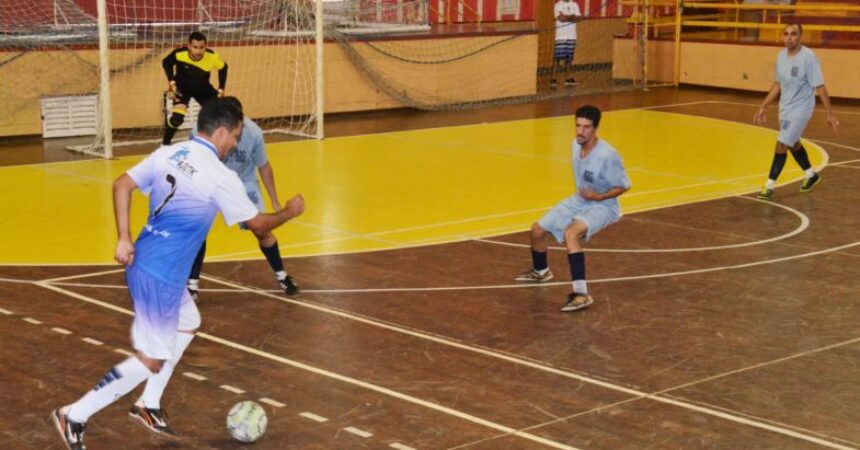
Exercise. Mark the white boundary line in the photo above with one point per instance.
(336, 376)
(804, 224)
(456, 238)
(549, 369)
(271, 293)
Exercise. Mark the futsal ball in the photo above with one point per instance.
(247, 421)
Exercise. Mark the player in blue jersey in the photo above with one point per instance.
(600, 178)
(187, 185)
(250, 155)
(798, 78)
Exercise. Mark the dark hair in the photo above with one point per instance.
(235, 101)
(219, 112)
(197, 36)
(589, 112)
(794, 24)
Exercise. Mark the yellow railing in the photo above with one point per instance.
(647, 17)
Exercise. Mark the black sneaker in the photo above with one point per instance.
(289, 285)
(154, 420)
(72, 433)
(577, 301)
(809, 183)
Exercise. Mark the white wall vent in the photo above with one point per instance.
(70, 115)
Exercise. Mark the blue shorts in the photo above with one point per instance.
(594, 215)
(790, 129)
(160, 311)
(564, 50)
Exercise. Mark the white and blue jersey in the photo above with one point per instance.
(600, 171)
(798, 77)
(187, 186)
(249, 155)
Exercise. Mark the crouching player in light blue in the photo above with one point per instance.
(600, 178)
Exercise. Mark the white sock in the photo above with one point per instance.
(579, 287)
(809, 172)
(542, 272)
(770, 184)
(281, 274)
(120, 380)
(157, 383)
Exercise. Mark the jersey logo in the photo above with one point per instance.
(180, 161)
(795, 70)
(588, 176)
(238, 156)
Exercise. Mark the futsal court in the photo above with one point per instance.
(720, 321)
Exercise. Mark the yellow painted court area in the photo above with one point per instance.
(408, 188)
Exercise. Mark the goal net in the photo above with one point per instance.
(50, 48)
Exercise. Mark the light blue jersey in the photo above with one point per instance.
(798, 76)
(250, 154)
(187, 185)
(600, 171)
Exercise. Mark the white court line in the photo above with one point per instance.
(336, 376)
(32, 320)
(92, 341)
(123, 351)
(804, 224)
(449, 238)
(314, 417)
(271, 402)
(81, 275)
(535, 365)
(850, 161)
(400, 446)
(194, 376)
(61, 330)
(756, 105)
(847, 147)
(271, 293)
(232, 389)
(358, 432)
(5, 312)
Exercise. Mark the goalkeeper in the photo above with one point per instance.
(187, 69)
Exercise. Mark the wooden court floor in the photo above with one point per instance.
(725, 324)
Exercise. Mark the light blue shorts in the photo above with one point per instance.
(790, 129)
(594, 215)
(160, 311)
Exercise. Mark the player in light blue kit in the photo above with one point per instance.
(250, 155)
(187, 186)
(600, 178)
(798, 78)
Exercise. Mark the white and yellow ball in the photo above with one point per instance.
(247, 421)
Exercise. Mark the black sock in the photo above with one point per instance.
(801, 157)
(168, 135)
(577, 265)
(273, 255)
(777, 165)
(539, 260)
(198, 263)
